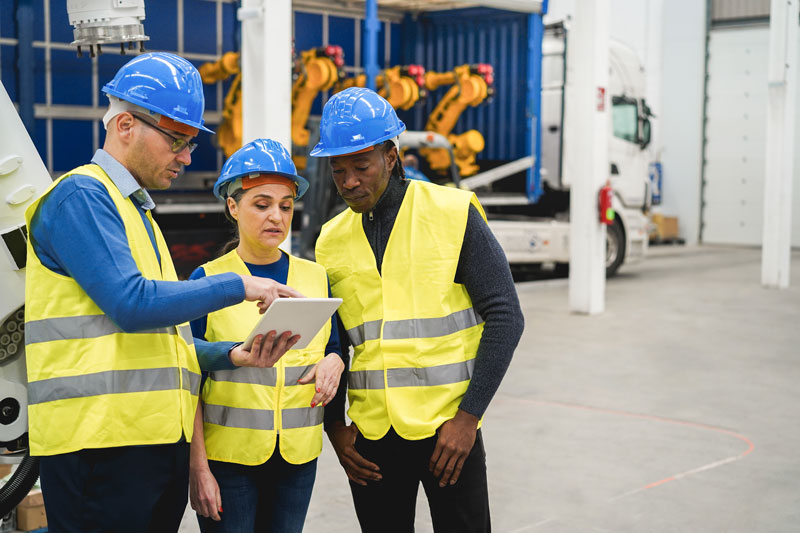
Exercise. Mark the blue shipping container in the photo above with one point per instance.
(442, 40)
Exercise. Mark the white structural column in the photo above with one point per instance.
(781, 105)
(653, 68)
(586, 152)
(266, 62)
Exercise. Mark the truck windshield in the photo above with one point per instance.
(625, 117)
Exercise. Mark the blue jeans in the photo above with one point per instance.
(127, 489)
(272, 497)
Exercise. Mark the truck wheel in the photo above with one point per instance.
(615, 248)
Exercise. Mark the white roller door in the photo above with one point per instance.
(733, 194)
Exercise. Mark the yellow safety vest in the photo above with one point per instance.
(90, 384)
(244, 409)
(413, 329)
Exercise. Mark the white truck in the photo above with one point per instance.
(538, 232)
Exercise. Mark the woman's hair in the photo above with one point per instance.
(234, 241)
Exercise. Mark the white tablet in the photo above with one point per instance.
(301, 316)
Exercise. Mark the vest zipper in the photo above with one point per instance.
(370, 216)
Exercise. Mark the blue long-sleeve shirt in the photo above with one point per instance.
(78, 232)
(278, 271)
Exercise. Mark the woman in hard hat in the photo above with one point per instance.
(258, 432)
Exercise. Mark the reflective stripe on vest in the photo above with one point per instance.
(415, 328)
(368, 331)
(191, 381)
(238, 417)
(301, 417)
(111, 382)
(412, 377)
(261, 376)
(86, 327)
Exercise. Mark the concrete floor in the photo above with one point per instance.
(676, 410)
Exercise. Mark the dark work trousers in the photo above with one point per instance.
(388, 505)
(116, 490)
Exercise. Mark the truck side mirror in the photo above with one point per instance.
(646, 133)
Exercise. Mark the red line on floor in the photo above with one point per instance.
(654, 418)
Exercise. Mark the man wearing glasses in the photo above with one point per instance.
(112, 366)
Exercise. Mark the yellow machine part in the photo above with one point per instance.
(401, 91)
(468, 90)
(319, 74)
(229, 133)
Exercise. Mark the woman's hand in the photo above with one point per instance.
(266, 350)
(204, 492)
(327, 373)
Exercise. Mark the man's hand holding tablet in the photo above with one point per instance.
(265, 351)
(288, 323)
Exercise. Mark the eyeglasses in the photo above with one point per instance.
(178, 144)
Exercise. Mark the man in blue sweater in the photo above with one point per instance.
(112, 367)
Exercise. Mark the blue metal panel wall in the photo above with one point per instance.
(200, 26)
(72, 154)
(342, 32)
(8, 73)
(307, 35)
(72, 78)
(440, 41)
(396, 52)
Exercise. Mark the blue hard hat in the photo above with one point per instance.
(163, 83)
(353, 120)
(262, 156)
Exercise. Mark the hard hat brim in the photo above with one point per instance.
(320, 150)
(155, 109)
(302, 183)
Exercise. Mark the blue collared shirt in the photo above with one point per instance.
(77, 231)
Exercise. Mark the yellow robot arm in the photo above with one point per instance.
(229, 133)
(471, 85)
(355, 81)
(320, 71)
(402, 86)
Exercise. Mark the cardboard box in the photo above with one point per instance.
(5, 470)
(663, 228)
(30, 512)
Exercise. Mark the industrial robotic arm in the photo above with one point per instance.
(402, 85)
(320, 69)
(471, 85)
(229, 133)
(23, 177)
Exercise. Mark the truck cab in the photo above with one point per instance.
(543, 237)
